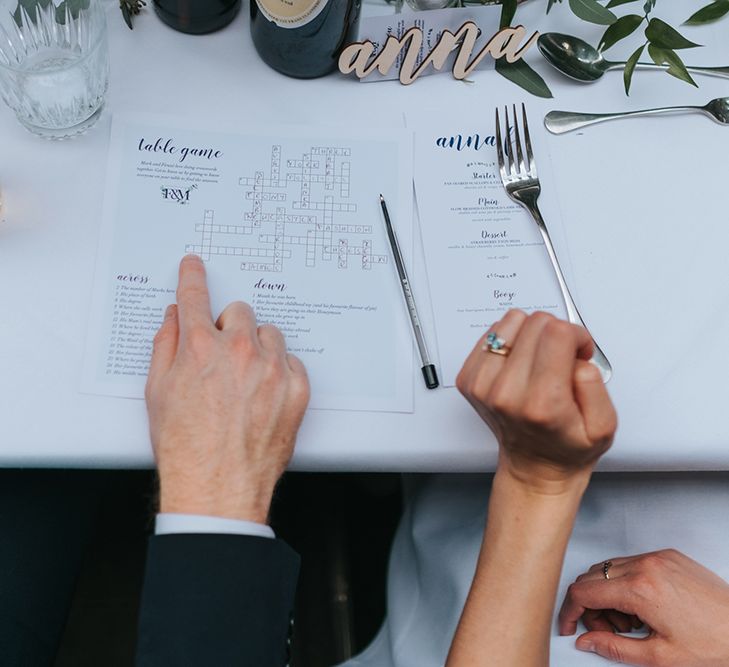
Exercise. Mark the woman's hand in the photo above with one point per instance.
(684, 605)
(545, 402)
(553, 418)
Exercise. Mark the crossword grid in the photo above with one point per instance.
(279, 221)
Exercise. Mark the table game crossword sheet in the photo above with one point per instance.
(286, 219)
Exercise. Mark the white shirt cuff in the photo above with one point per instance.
(166, 524)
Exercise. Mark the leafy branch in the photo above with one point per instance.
(519, 72)
(661, 40)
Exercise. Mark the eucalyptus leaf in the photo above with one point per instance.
(630, 68)
(664, 36)
(623, 27)
(523, 76)
(592, 11)
(617, 3)
(508, 9)
(550, 4)
(711, 12)
(669, 57)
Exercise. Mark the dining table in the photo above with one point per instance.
(641, 203)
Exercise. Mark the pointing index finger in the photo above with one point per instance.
(193, 300)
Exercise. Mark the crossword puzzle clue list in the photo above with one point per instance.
(285, 219)
(136, 316)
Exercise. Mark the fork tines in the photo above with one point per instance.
(519, 166)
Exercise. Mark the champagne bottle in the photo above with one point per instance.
(197, 16)
(303, 38)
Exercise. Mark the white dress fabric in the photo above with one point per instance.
(434, 553)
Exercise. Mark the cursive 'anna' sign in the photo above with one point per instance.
(360, 57)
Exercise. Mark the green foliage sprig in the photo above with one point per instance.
(519, 72)
(661, 40)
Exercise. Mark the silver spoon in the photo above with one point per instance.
(559, 122)
(578, 60)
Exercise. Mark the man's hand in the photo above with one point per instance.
(545, 402)
(684, 605)
(225, 402)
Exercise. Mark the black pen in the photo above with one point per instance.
(429, 374)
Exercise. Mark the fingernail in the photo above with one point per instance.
(170, 311)
(585, 645)
(192, 257)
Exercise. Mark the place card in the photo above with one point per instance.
(432, 23)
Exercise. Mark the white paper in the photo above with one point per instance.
(286, 219)
(483, 252)
(433, 22)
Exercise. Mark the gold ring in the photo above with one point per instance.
(496, 345)
(606, 569)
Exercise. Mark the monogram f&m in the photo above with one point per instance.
(360, 57)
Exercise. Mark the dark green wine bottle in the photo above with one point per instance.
(197, 16)
(303, 38)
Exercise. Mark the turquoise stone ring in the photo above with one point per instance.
(496, 345)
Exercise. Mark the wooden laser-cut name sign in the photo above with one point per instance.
(360, 57)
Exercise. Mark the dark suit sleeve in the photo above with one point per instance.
(222, 600)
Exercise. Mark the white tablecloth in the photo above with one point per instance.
(643, 209)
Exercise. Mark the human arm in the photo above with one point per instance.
(684, 606)
(223, 600)
(225, 402)
(553, 419)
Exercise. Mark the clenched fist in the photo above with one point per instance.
(545, 402)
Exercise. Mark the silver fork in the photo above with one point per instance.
(522, 185)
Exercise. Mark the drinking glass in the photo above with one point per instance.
(54, 64)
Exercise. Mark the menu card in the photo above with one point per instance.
(286, 219)
(484, 253)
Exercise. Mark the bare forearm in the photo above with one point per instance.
(507, 618)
